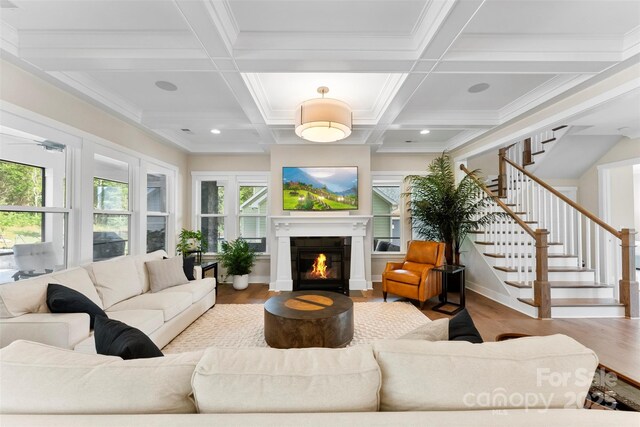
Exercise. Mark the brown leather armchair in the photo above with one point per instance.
(413, 278)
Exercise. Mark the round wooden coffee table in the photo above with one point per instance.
(308, 319)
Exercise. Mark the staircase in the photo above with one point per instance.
(553, 257)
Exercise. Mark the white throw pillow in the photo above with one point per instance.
(40, 379)
(296, 380)
(116, 280)
(166, 273)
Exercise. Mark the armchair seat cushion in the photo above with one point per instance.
(404, 276)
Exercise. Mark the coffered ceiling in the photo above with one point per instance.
(242, 66)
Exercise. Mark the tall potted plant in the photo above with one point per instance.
(446, 212)
(238, 258)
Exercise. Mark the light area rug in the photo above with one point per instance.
(242, 325)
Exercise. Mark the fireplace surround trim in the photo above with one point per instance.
(354, 226)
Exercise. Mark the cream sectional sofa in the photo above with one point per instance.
(537, 381)
(120, 287)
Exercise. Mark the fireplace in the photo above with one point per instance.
(321, 263)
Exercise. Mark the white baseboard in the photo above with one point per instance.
(500, 298)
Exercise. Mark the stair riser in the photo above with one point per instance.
(553, 262)
(498, 249)
(606, 311)
(569, 293)
(571, 276)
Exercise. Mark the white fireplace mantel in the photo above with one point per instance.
(286, 227)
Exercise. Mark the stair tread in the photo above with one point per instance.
(537, 152)
(560, 284)
(496, 255)
(559, 127)
(551, 269)
(577, 302)
(547, 140)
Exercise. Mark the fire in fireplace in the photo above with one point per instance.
(320, 263)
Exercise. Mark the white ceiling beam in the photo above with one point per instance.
(204, 21)
(9, 39)
(493, 66)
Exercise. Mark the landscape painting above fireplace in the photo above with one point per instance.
(319, 188)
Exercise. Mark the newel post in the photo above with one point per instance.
(502, 173)
(526, 154)
(628, 283)
(541, 288)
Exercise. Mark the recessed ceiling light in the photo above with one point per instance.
(480, 87)
(215, 131)
(168, 86)
(424, 131)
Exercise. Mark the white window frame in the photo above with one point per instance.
(386, 180)
(253, 181)
(148, 167)
(134, 195)
(231, 182)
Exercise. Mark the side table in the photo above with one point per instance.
(447, 272)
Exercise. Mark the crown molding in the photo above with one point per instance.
(631, 43)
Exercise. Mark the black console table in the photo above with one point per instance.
(447, 272)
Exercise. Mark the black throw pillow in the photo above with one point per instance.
(114, 338)
(61, 299)
(461, 328)
(187, 266)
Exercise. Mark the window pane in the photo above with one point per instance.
(110, 236)
(32, 170)
(386, 234)
(213, 231)
(21, 185)
(110, 195)
(253, 199)
(156, 233)
(212, 198)
(254, 230)
(31, 244)
(386, 218)
(156, 193)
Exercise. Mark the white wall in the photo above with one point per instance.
(26, 90)
(636, 199)
(622, 197)
(588, 193)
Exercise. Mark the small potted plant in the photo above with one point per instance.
(190, 241)
(238, 258)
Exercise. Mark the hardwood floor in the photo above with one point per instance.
(615, 341)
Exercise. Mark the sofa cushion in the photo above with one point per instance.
(197, 288)
(294, 380)
(49, 380)
(455, 375)
(115, 280)
(64, 330)
(148, 321)
(114, 338)
(25, 296)
(78, 279)
(171, 303)
(166, 273)
(404, 276)
(143, 274)
(61, 299)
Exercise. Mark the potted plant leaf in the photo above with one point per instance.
(445, 212)
(190, 241)
(238, 258)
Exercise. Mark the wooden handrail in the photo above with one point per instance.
(567, 200)
(500, 203)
